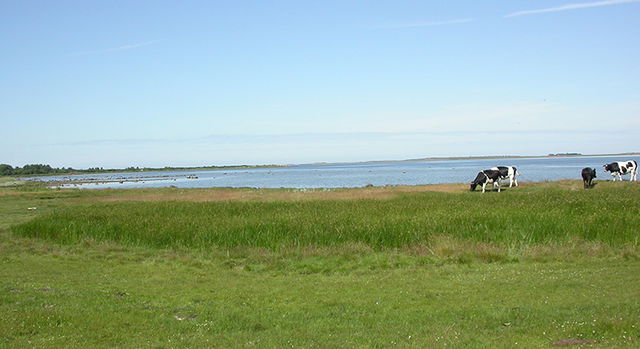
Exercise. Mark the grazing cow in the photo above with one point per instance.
(588, 174)
(508, 172)
(620, 168)
(486, 177)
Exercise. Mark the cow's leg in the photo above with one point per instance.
(498, 184)
(510, 181)
(585, 183)
(483, 186)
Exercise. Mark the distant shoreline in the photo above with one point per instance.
(241, 167)
(487, 157)
(175, 178)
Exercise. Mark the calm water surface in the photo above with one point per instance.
(345, 175)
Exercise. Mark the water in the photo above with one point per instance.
(345, 175)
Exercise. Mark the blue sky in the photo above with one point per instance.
(190, 83)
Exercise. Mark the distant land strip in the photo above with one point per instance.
(39, 169)
(486, 157)
(47, 170)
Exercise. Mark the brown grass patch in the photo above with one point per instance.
(445, 247)
(571, 341)
(244, 194)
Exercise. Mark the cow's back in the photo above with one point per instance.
(588, 173)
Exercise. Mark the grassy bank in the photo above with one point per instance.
(519, 217)
(414, 267)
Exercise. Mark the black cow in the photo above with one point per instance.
(620, 168)
(486, 177)
(588, 174)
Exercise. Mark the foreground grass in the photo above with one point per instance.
(109, 296)
(445, 289)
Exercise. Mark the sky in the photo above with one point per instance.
(159, 83)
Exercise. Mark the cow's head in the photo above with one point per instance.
(614, 167)
(593, 172)
(480, 178)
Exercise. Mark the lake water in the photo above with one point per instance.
(345, 175)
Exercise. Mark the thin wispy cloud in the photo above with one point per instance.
(219, 140)
(119, 48)
(569, 7)
(431, 24)
(112, 142)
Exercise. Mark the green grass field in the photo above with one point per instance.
(415, 267)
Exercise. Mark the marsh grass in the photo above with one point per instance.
(519, 217)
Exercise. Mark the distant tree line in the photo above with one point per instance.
(565, 154)
(40, 169)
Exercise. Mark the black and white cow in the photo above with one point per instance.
(508, 172)
(620, 168)
(486, 177)
(588, 174)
